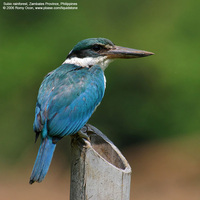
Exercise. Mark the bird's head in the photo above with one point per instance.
(100, 51)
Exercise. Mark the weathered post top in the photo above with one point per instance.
(98, 171)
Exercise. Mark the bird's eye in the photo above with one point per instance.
(97, 47)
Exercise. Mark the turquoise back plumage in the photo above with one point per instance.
(67, 98)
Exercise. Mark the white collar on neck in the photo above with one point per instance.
(102, 61)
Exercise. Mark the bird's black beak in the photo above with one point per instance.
(124, 52)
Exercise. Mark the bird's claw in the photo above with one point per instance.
(85, 132)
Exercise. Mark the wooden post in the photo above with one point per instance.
(98, 170)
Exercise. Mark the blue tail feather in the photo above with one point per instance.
(43, 160)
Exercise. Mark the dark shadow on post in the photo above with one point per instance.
(104, 147)
(98, 170)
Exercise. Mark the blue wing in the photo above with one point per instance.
(67, 98)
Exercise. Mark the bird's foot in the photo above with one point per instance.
(83, 134)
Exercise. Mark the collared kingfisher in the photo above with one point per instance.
(70, 94)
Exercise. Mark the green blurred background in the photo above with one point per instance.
(148, 101)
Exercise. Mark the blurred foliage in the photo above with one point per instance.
(145, 99)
